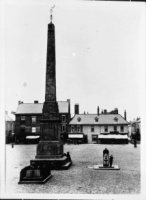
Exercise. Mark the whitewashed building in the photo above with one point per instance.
(102, 128)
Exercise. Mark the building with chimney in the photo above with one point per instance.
(104, 127)
(27, 120)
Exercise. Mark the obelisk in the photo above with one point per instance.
(50, 148)
(50, 145)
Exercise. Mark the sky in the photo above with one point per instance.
(100, 54)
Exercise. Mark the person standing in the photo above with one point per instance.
(111, 160)
(134, 138)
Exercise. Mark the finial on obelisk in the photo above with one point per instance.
(51, 10)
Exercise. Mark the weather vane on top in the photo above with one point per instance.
(51, 10)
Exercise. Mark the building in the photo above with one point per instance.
(100, 128)
(28, 116)
(9, 128)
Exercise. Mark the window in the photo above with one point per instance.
(79, 119)
(63, 118)
(33, 129)
(22, 130)
(78, 129)
(106, 129)
(22, 118)
(72, 129)
(38, 129)
(75, 128)
(94, 138)
(122, 128)
(92, 128)
(96, 119)
(116, 119)
(33, 119)
(115, 128)
(63, 128)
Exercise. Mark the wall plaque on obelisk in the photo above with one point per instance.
(50, 154)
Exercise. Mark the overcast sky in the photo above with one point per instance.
(100, 54)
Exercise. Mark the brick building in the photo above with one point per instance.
(27, 120)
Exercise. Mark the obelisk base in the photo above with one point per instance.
(35, 173)
(49, 157)
(62, 163)
(49, 150)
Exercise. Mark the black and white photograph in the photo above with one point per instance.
(73, 99)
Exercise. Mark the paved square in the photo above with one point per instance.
(81, 178)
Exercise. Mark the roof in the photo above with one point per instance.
(63, 106)
(103, 119)
(36, 108)
(113, 136)
(29, 108)
(7, 118)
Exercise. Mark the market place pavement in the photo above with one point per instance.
(81, 178)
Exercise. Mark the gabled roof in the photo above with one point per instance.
(36, 108)
(103, 119)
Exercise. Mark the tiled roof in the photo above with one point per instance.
(90, 119)
(36, 108)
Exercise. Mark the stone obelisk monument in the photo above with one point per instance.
(50, 154)
(50, 145)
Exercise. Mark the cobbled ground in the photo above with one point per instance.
(80, 178)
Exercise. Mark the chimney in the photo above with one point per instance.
(20, 102)
(36, 101)
(125, 115)
(76, 109)
(116, 110)
(68, 100)
(98, 110)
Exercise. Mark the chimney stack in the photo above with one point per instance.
(98, 110)
(68, 100)
(76, 109)
(20, 102)
(125, 115)
(116, 110)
